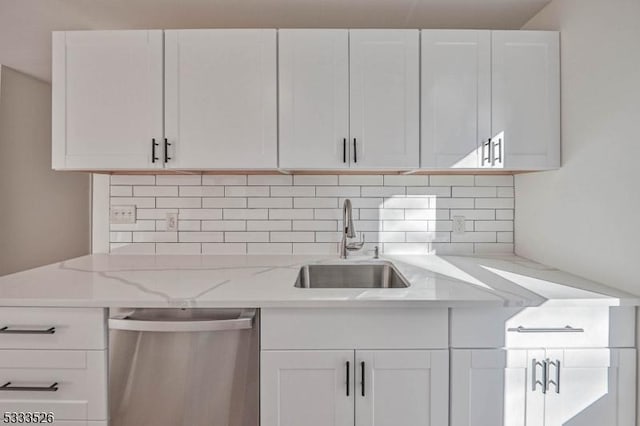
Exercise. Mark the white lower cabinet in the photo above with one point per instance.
(518, 387)
(362, 387)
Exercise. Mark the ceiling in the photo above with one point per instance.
(25, 25)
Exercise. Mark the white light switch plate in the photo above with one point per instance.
(122, 215)
(172, 222)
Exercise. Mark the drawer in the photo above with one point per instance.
(81, 378)
(52, 328)
(354, 328)
(566, 327)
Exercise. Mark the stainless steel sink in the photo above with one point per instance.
(351, 275)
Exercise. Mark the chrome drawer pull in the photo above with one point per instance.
(566, 329)
(7, 387)
(7, 330)
(243, 322)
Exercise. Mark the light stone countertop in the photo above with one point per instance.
(268, 281)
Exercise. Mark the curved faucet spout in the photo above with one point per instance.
(348, 230)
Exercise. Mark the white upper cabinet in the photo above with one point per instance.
(314, 98)
(525, 120)
(107, 99)
(397, 387)
(456, 97)
(220, 99)
(385, 96)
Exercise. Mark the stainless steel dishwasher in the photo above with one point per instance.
(183, 367)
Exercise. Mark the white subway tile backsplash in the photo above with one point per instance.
(361, 180)
(449, 180)
(239, 203)
(181, 203)
(395, 180)
(504, 214)
(338, 191)
(315, 180)
(293, 191)
(246, 191)
(140, 203)
(155, 237)
(121, 191)
(494, 203)
(178, 180)
(200, 214)
(315, 225)
(264, 202)
(246, 214)
(473, 191)
(501, 180)
(155, 191)
(224, 248)
(269, 248)
(132, 180)
(224, 180)
(321, 203)
(268, 225)
(302, 214)
(200, 237)
(224, 225)
(270, 180)
(246, 237)
(290, 214)
(201, 191)
(383, 191)
(315, 248)
(292, 237)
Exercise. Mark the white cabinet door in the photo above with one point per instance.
(526, 99)
(456, 97)
(594, 387)
(310, 388)
(220, 99)
(314, 98)
(107, 99)
(493, 387)
(402, 387)
(384, 88)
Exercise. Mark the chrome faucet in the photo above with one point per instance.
(348, 231)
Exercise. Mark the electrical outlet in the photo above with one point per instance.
(459, 226)
(171, 223)
(122, 215)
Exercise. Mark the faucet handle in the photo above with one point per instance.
(358, 245)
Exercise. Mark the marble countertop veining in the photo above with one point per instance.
(268, 281)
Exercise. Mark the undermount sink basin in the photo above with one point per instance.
(351, 275)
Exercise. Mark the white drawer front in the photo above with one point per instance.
(69, 328)
(352, 328)
(570, 327)
(81, 378)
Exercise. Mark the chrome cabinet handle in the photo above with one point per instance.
(348, 377)
(7, 387)
(7, 330)
(565, 329)
(534, 379)
(243, 322)
(362, 383)
(555, 382)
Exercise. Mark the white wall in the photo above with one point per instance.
(44, 215)
(584, 217)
